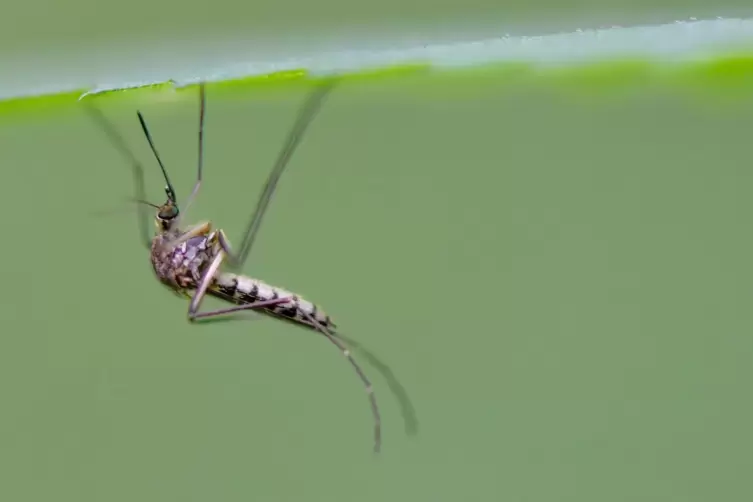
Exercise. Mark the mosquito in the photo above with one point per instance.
(199, 261)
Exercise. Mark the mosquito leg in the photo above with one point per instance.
(408, 411)
(206, 280)
(364, 379)
(201, 291)
(305, 116)
(197, 185)
(194, 314)
(143, 218)
(239, 308)
(232, 257)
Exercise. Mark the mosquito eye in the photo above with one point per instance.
(168, 213)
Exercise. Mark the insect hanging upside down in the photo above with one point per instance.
(191, 261)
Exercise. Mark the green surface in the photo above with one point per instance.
(725, 78)
(561, 284)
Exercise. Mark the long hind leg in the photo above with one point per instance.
(200, 168)
(364, 379)
(194, 314)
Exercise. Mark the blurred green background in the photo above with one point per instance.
(561, 284)
(83, 22)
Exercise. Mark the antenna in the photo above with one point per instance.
(169, 190)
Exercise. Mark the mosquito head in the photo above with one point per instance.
(168, 212)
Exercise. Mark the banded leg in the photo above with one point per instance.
(364, 379)
(201, 291)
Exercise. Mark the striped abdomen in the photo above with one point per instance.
(243, 290)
